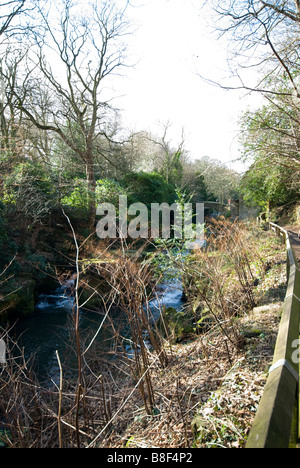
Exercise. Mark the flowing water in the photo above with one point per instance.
(50, 328)
(47, 331)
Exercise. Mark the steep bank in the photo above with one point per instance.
(40, 262)
(33, 270)
(208, 395)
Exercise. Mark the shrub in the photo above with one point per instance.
(28, 194)
(149, 188)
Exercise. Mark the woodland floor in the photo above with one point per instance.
(218, 393)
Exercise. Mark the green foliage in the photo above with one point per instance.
(198, 189)
(77, 198)
(167, 258)
(109, 191)
(268, 141)
(149, 188)
(172, 169)
(266, 185)
(177, 169)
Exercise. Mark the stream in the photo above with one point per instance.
(50, 328)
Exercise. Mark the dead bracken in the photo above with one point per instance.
(200, 392)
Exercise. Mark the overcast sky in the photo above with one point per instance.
(174, 45)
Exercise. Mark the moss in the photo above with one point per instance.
(252, 331)
(177, 323)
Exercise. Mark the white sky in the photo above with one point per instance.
(172, 44)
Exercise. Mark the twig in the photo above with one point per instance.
(78, 347)
(121, 407)
(60, 401)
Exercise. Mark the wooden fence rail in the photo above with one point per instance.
(276, 424)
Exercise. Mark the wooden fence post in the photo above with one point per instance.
(276, 424)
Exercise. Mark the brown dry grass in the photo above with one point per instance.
(144, 400)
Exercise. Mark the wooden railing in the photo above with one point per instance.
(276, 424)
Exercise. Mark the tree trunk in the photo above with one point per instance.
(91, 194)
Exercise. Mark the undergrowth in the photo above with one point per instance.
(146, 389)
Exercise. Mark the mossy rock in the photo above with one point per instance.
(177, 323)
(252, 331)
(91, 295)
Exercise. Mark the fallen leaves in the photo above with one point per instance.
(209, 393)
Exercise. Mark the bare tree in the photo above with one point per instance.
(264, 35)
(74, 57)
(18, 18)
(170, 158)
(8, 11)
(12, 137)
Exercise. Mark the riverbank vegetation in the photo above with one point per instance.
(147, 389)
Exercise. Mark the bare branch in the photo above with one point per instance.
(15, 8)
